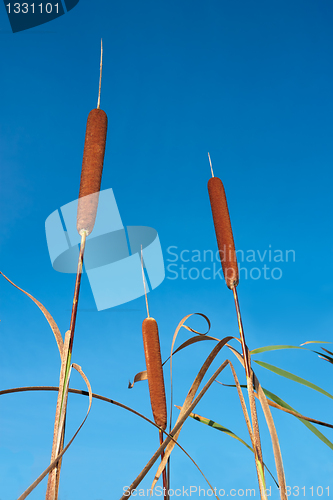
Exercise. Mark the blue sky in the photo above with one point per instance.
(252, 84)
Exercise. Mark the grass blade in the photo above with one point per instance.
(179, 326)
(325, 356)
(278, 347)
(138, 378)
(267, 348)
(316, 342)
(219, 427)
(189, 399)
(270, 423)
(50, 320)
(279, 407)
(58, 425)
(326, 350)
(311, 427)
(274, 438)
(215, 425)
(107, 400)
(295, 378)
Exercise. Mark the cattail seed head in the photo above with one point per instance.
(92, 167)
(224, 236)
(152, 350)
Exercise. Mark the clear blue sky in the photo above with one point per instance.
(251, 82)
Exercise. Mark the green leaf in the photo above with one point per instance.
(275, 348)
(262, 476)
(295, 378)
(278, 347)
(219, 427)
(311, 427)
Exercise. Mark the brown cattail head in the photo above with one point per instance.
(225, 240)
(92, 167)
(152, 350)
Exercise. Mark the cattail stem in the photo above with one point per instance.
(164, 475)
(254, 416)
(226, 246)
(242, 336)
(68, 354)
(90, 184)
(77, 289)
(58, 440)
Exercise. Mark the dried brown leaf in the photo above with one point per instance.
(274, 438)
(47, 315)
(188, 400)
(138, 378)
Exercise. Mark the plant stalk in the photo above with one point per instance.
(254, 417)
(59, 430)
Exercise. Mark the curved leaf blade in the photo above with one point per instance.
(219, 427)
(291, 376)
(311, 427)
(267, 348)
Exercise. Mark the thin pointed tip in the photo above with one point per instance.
(144, 284)
(211, 166)
(100, 77)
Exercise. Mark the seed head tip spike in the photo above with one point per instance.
(100, 77)
(144, 284)
(211, 166)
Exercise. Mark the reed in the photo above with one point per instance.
(91, 176)
(152, 350)
(227, 251)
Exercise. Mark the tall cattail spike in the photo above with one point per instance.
(211, 166)
(144, 284)
(223, 231)
(100, 77)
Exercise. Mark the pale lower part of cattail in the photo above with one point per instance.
(224, 236)
(92, 168)
(152, 350)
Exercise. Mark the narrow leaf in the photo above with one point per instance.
(275, 348)
(274, 438)
(138, 378)
(295, 378)
(215, 425)
(46, 313)
(316, 342)
(321, 355)
(311, 427)
(326, 350)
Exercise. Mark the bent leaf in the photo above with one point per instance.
(311, 427)
(275, 348)
(316, 342)
(215, 425)
(138, 378)
(324, 356)
(295, 378)
(46, 313)
(326, 350)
